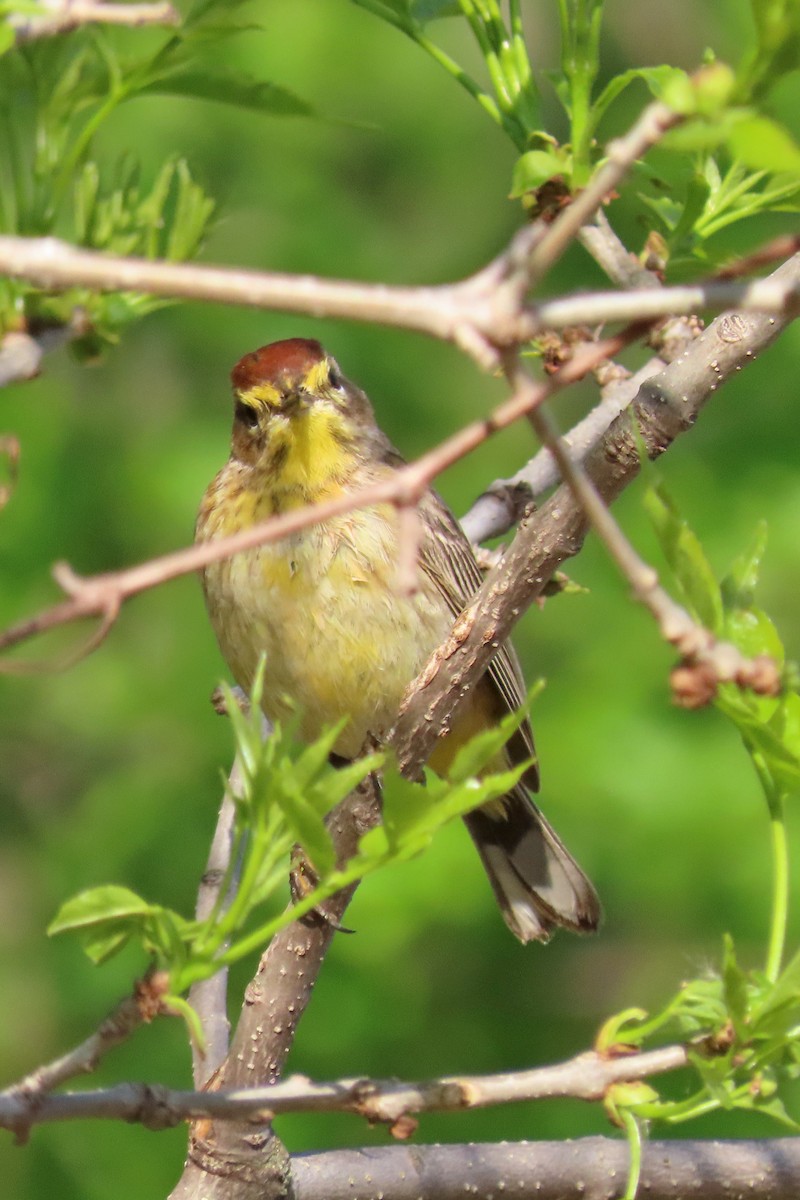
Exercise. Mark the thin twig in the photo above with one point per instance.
(504, 501)
(209, 997)
(27, 1096)
(656, 120)
(609, 252)
(585, 1077)
(759, 295)
(62, 16)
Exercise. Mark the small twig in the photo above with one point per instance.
(656, 120)
(504, 502)
(209, 997)
(27, 1097)
(759, 295)
(609, 252)
(62, 16)
(21, 353)
(409, 536)
(585, 1077)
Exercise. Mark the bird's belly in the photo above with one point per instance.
(340, 639)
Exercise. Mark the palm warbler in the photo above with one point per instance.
(340, 639)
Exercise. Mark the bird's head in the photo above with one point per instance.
(296, 415)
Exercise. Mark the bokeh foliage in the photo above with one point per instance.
(111, 771)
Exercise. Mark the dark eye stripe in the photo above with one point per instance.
(245, 415)
(335, 380)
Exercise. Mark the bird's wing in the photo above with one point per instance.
(447, 558)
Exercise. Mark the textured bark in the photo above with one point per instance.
(593, 1168)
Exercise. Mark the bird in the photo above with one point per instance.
(342, 641)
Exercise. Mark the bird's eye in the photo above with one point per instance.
(335, 380)
(245, 415)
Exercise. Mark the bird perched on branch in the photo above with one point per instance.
(341, 639)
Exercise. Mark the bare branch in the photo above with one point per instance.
(27, 1097)
(622, 267)
(209, 997)
(666, 406)
(585, 1077)
(759, 295)
(477, 314)
(656, 120)
(592, 1168)
(504, 501)
(700, 363)
(62, 16)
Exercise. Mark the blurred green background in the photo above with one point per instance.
(111, 771)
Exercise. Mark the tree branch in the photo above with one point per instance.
(700, 362)
(479, 314)
(62, 16)
(667, 405)
(592, 1168)
(586, 1077)
(655, 120)
(27, 1097)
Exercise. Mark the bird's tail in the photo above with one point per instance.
(536, 880)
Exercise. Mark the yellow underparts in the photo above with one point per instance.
(339, 638)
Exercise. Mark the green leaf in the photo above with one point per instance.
(734, 981)
(765, 145)
(109, 903)
(697, 193)
(783, 765)
(231, 87)
(341, 781)
(786, 990)
(414, 812)
(483, 749)
(7, 37)
(685, 556)
(786, 723)
(433, 10)
(739, 585)
(405, 806)
(314, 758)
(657, 79)
(105, 918)
(752, 632)
(306, 825)
(534, 168)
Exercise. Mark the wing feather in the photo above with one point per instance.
(448, 560)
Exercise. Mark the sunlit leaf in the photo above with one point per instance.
(765, 145)
(534, 168)
(231, 87)
(685, 556)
